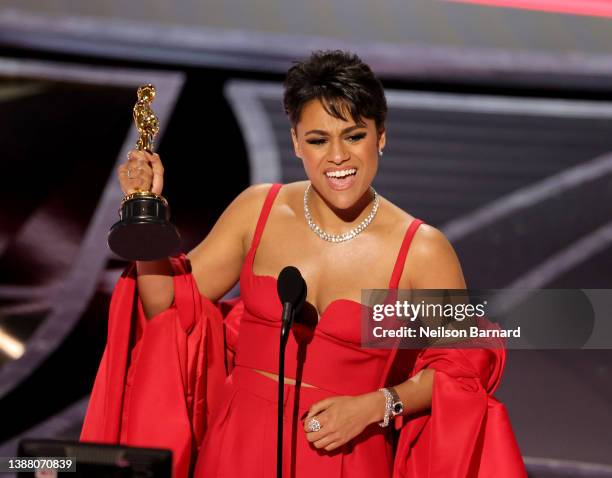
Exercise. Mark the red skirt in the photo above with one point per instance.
(241, 440)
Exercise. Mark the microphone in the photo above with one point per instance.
(291, 288)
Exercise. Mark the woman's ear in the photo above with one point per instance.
(382, 138)
(296, 144)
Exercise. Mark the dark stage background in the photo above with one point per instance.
(502, 143)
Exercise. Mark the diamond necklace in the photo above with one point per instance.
(339, 237)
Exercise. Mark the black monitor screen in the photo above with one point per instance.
(100, 460)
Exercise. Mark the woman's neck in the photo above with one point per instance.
(335, 220)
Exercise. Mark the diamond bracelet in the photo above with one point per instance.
(388, 406)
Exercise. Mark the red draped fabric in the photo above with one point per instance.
(157, 380)
(467, 432)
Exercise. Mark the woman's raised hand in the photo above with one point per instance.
(142, 171)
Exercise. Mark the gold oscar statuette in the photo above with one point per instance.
(144, 231)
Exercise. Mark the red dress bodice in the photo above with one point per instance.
(328, 354)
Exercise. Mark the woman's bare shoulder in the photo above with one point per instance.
(237, 220)
(395, 217)
(294, 190)
(220, 255)
(431, 260)
(427, 236)
(291, 198)
(254, 196)
(248, 204)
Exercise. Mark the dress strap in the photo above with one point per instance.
(403, 252)
(263, 215)
(397, 273)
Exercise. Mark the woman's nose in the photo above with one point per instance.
(338, 152)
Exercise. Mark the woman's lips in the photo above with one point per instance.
(340, 184)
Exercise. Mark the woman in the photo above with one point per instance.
(170, 358)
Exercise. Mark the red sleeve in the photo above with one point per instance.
(157, 380)
(467, 432)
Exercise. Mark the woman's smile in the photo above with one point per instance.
(341, 178)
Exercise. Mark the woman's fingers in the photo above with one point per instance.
(324, 438)
(139, 174)
(323, 442)
(157, 169)
(127, 179)
(318, 407)
(328, 443)
(142, 171)
(314, 428)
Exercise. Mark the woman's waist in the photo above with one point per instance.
(323, 363)
(266, 387)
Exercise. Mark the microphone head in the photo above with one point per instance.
(291, 287)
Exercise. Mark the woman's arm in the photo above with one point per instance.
(431, 263)
(145, 171)
(415, 393)
(155, 286)
(215, 262)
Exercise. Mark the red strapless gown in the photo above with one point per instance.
(166, 383)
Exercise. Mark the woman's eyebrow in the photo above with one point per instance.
(344, 131)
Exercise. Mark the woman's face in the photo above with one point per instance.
(330, 147)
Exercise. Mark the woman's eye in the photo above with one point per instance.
(316, 141)
(356, 137)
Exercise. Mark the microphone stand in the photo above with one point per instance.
(287, 321)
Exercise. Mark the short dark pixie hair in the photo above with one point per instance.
(341, 81)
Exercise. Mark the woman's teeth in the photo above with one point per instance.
(341, 180)
(340, 174)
